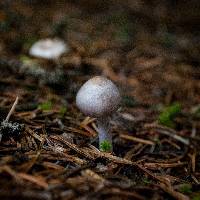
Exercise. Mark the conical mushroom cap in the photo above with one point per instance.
(98, 97)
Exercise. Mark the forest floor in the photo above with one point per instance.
(49, 149)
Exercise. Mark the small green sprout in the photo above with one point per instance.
(25, 59)
(185, 188)
(168, 114)
(196, 197)
(157, 141)
(62, 111)
(105, 146)
(46, 105)
(146, 181)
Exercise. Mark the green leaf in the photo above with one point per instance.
(62, 111)
(46, 105)
(196, 197)
(168, 114)
(105, 146)
(185, 188)
(146, 181)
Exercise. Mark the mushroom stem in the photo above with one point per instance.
(105, 138)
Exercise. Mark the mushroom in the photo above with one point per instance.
(48, 48)
(50, 71)
(99, 97)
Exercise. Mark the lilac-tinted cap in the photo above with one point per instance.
(98, 97)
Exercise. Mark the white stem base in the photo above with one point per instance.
(103, 129)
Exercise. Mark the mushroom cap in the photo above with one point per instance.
(48, 48)
(98, 97)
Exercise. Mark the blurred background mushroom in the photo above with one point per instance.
(50, 49)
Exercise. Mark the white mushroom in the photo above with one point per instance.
(99, 98)
(48, 48)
